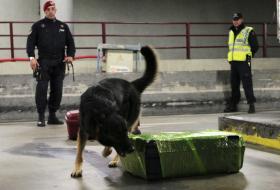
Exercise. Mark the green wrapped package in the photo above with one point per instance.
(181, 154)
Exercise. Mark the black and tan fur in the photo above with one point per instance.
(110, 110)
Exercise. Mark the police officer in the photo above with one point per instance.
(50, 36)
(243, 45)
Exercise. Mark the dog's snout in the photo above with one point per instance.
(125, 151)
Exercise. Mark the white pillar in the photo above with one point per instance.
(64, 9)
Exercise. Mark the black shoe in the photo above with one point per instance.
(252, 108)
(41, 121)
(230, 108)
(41, 124)
(53, 120)
(136, 132)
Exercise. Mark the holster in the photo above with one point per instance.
(249, 60)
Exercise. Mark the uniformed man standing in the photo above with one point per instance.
(243, 45)
(50, 36)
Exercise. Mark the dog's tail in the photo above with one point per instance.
(150, 72)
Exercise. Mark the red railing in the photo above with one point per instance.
(104, 35)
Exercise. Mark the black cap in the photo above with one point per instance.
(237, 16)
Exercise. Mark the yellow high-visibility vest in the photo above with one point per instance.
(239, 48)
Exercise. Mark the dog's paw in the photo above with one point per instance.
(113, 164)
(76, 174)
(106, 152)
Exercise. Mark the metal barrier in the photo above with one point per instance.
(104, 35)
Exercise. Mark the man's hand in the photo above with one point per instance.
(34, 64)
(68, 59)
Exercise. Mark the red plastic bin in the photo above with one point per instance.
(72, 119)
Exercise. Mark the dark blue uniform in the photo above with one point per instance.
(51, 37)
(241, 71)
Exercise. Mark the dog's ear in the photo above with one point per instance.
(110, 130)
(117, 122)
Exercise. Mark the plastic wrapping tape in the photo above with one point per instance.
(184, 154)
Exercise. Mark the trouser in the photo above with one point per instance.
(51, 71)
(241, 71)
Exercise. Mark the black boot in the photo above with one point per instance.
(137, 130)
(41, 120)
(53, 120)
(230, 108)
(252, 108)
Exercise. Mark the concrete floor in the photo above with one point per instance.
(42, 158)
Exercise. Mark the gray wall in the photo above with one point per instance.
(148, 11)
(176, 11)
(184, 86)
(172, 10)
(19, 10)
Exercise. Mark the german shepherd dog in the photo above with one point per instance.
(110, 110)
